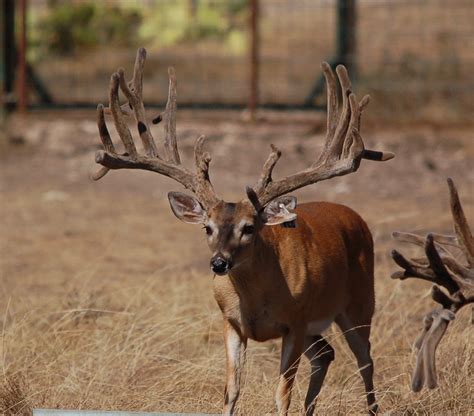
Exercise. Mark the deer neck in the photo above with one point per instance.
(256, 268)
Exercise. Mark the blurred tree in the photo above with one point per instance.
(191, 21)
(69, 26)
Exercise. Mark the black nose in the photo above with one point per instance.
(219, 265)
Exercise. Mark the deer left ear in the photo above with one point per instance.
(187, 208)
(279, 211)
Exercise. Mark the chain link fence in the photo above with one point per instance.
(414, 57)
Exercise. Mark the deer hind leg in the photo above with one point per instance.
(357, 336)
(320, 354)
(235, 346)
(291, 349)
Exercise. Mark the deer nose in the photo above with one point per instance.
(219, 265)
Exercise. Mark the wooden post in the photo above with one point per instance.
(254, 58)
(22, 88)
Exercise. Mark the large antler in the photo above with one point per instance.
(440, 267)
(343, 149)
(169, 165)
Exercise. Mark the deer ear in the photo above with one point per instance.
(279, 211)
(187, 208)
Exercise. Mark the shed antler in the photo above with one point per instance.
(343, 149)
(441, 268)
(169, 165)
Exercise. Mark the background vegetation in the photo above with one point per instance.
(65, 28)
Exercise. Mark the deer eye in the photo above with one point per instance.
(208, 230)
(248, 229)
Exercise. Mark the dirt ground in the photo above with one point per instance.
(106, 298)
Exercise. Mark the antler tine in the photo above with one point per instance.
(105, 139)
(199, 183)
(126, 110)
(135, 99)
(269, 165)
(343, 148)
(136, 83)
(461, 227)
(439, 240)
(409, 238)
(434, 271)
(463, 276)
(412, 269)
(445, 271)
(104, 131)
(119, 121)
(347, 116)
(171, 146)
(437, 266)
(352, 145)
(332, 103)
(336, 129)
(362, 104)
(435, 325)
(204, 188)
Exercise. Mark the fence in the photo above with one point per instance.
(411, 55)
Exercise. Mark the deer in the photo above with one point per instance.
(280, 271)
(440, 266)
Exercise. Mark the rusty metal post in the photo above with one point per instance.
(22, 88)
(254, 58)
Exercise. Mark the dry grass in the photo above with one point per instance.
(107, 301)
(14, 396)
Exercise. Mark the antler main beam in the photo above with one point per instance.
(343, 149)
(445, 271)
(169, 165)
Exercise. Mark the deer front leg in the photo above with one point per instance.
(291, 349)
(235, 347)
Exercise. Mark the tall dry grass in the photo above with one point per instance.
(106, 300)
(157, 346)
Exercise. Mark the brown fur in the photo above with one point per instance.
(293, 276)
(286, 278)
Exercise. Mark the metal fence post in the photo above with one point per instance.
(8, 52)
(22, 88)
(346, 34)
(254, 58)
(345, 48)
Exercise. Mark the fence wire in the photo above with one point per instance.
(410, 55)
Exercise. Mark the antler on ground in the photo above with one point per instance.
(343, 149)
(169, 165)
(439, 267)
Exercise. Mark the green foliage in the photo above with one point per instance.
(68, 27)
(166, 24)
(191, 21)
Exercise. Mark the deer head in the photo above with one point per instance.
(439, 266)
(231, 227)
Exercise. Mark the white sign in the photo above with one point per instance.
(58, 412)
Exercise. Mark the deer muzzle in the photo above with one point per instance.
(220, 265)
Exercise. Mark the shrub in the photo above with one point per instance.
(68, 27)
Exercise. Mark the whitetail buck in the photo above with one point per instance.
(290, 282)
(440, 267)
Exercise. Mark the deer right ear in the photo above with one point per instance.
(280, 211)
(187, 208)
